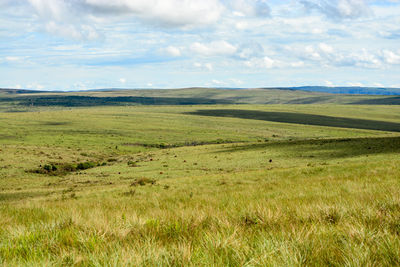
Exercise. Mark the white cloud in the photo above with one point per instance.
(378, 85)
(325, 48)
(163, 12)
(339, 9)
(81, 19)
(391, 57)
(256, 8)
(236, 81)
(219, 83)
(80, 86)
(250, 50)
(297, 64)
(222, 36)
(78, 32)
(329, 84)
(35, 86)
(12, 58)
(363, 58)
(55, 10)
(325, 55)
(356, 84)
(214, 48)
(311, 53)
(207, 66)
(265, 62)
(172, 51)
(174, 13)
(122, 80)
(15, 60)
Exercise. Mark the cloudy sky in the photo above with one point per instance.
(86, 44)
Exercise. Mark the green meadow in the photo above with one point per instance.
(214, 184)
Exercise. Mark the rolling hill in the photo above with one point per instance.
(186, 96)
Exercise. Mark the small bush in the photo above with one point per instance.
(47, 167)
(64, 168)
(86, 165)
(132, 164)
(143, 181)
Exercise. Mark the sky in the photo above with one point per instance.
(92, 44)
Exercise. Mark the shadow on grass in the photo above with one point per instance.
(300, 118)
(326, 148)
(90, 101)
(56, 123)
(20, 195)
(394, 100)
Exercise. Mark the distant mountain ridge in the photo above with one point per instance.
(187, 96)
(353, 90)
(19, 91)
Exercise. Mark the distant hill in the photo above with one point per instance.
(18, 91)
(348, 90)
(354, 90)
(188, 96)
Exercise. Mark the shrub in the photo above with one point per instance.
(143, 181)
(47, 167)
(64, 168)
(86, 165)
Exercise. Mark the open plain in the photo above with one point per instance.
(199, 185)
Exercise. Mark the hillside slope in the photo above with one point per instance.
(187, 96)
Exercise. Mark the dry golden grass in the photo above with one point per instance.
(281, 195)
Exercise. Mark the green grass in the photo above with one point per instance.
(191, 186)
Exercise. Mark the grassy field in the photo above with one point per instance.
(203, 185)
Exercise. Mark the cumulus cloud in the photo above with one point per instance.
(329, 84)
(219, 83)
(253, 8)
(339, 9)
(265, 62)
(35, 86)
(12, 58)
(326, 48)
(57, 10)
(325, 55)
(15, 60)
(221, 36)
(391, 57)
(78, 32)
(215, 48)
(250, 50)
(78, 19)
(172, 51)
(362, 58)
(170, 13)
(206, 66)
(355, 84)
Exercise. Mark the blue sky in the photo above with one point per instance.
(88, 44)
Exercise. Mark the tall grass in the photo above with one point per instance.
(332, 200)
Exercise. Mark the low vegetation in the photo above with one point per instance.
(193, 186)
(65, 168)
